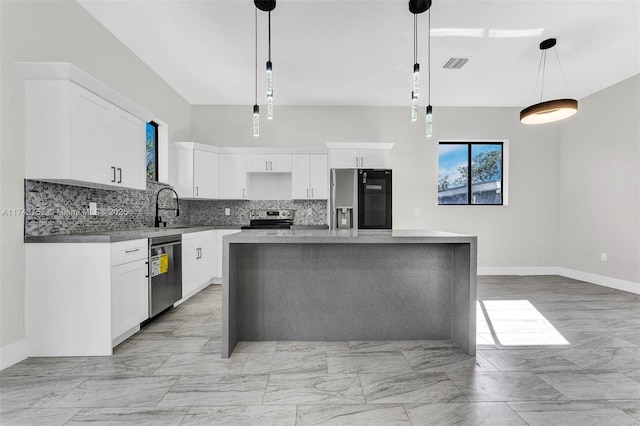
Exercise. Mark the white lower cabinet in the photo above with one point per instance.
(198, 261)
(82, 299)
(129, 296)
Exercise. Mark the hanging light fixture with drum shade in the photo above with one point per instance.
(553, 110)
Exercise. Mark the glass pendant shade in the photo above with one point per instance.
(270, 107)
(416, 80)
(549, 111)
(429, 129)
(414, 107)
(256, 120)
(269, 79)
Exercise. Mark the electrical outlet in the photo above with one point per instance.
(93, 208)
(603, 257)
(227, 211)
(310, 211)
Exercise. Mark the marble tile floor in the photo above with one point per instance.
(551, 351)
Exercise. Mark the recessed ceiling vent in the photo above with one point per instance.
(455, 63)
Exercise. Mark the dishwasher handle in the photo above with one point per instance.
(154, 246)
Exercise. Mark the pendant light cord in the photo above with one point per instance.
(415, 38)
(562, 71)
(429, 58)
(540, 68)
(269, 36)
(256, 33)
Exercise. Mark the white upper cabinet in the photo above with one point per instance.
(195, 171)
(126, 152)
(345, 158)
(80, 132)
(233, 176)
(205, 174)
(359, 155)
(309, 176)
(268, 163)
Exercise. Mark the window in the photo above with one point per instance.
(483, 186)
(152, 151)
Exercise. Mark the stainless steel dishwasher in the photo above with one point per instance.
(165, 272)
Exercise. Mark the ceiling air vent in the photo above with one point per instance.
(455, 63)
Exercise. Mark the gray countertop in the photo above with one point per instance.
(312, 236)
(137, 233)
(121, 235)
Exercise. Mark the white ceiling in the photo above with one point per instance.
(359, 52)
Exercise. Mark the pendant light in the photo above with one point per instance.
(429, 121)
(270, 76)
(268, 6)
(553, 110)
(414, 107)
(416, 65)
(416, 7)
(256, 108)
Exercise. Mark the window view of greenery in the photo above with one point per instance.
(482, 186)
(152, 151)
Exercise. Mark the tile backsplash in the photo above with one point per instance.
(211, 212)
(52, 208)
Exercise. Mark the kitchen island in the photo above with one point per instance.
(342, 285)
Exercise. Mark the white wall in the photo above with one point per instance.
(600, 184)
(522, 234)
(59, 31)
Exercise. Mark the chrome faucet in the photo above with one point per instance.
(158, 219)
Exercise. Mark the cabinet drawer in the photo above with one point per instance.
(195, 239)
(128, 251)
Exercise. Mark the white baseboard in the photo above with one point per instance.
(13, 354)
(628, 286)
(518, 270)
(623, 285)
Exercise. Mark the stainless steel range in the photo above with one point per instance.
(270, 219)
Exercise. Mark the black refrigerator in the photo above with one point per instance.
(374, 199)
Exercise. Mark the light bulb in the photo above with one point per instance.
(416, 80)
(270, 107)
(269, 79)
(256, 120)
(414, 107)
(429, 131)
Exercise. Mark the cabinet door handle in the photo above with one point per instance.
(271, 165)
(119, 175)
(196, 191)
(266, 166)
(311, 192)
(307, 192)
(361, 161)
(243, 190)
(131, 251)
(114, 174)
